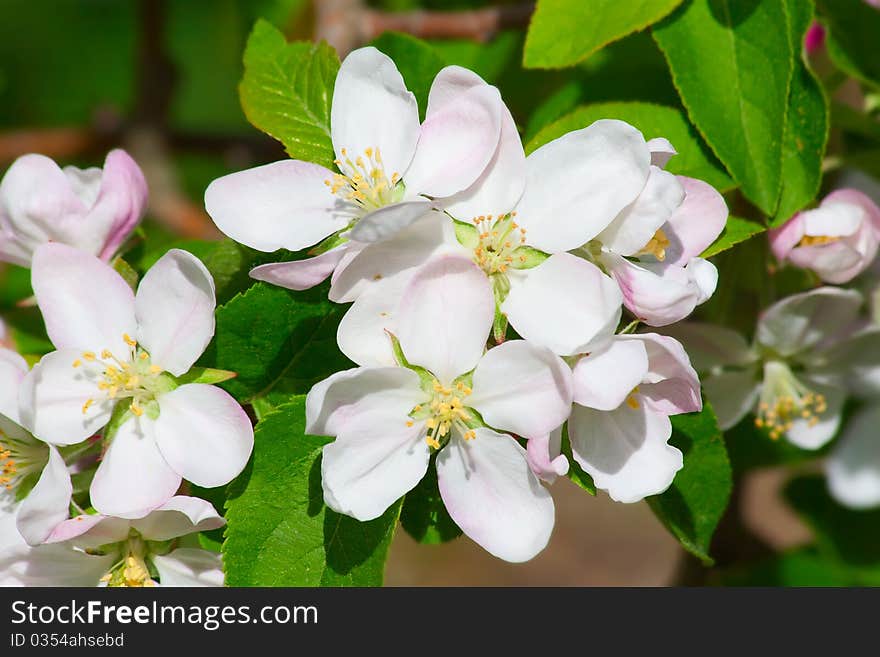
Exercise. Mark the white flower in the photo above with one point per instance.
(117, 359)
(132, 551)
(853, 467)
(92, 209)
(390, 169)
(386, 420)
(808, 349)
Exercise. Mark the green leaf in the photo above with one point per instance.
(279, 533)
(280, 343)
(692, 507)
(287, 90)
(694, 159)
(736, 230)
(844, 534)
(416, 60)
(850, 120)
(853, 26)
(800, 567)
(564, 32)
(806, 128)
(732, 64)
(424, 516)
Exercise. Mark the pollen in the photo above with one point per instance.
(817, 240)
(498, 241)
(785, 400)
(444, 412)
(656, 246)
(363, 183)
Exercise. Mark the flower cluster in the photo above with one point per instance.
(97, 438)
(447, 239)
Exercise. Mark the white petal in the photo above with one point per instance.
(625, 451)
(373, 109)
(606, 377)
(813, 437)
(363, 333)
(90, 531)
(732, 395)
(522, 388)
(853, 467)
(189, 567)
(634, 227)
(576, 185)
(179, 516)
(283, 205)
(85, 304)
(203, 434)
(709, 345)
(48, 503)
(802, 321)
(371, 465)
(386, 222)
(662, 151)
(300, 274)
(133, 477)
(53, 396)
(696, 223)
(458, 140)
(545, 457)
(340, 399)
(492, 494)
(13, 369)
(671, 385)
(175, 311)
(566, 304)
(445, 316)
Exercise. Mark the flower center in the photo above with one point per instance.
(363, 183)
(632, 401)
(497, 243)
(656, 246)
(817, 240)
(785, 399)
(20, 456)
(131, 377)
(132, 570)
(445, 411)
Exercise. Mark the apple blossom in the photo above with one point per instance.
(445, 396)
(92, 209)
(808, 349)
(837, 240)
(116, 369)
(853, 467)
(390, 169)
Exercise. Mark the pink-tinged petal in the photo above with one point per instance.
(38, 202)
(300, 274)
(854, 197)
(283, 205)
(373, 464)
(704, 275)
(48, 503)
(604, 378)
(174, 307)
(133, 477)
(364, 332)
(801, 321)
(386, 222)
(708, 345)
(86, 305)
(373, 109)
(732, 395)
(13, 369)
(499, 188)
(445, 316)
(671, 385)
(814, 39)
(634, 227)
(853, 467)
(90, 531)
(807, 436)
(179, 516)
(625, 451)
(458, 140)
(13, 251)
(576, 185)
(339, 400)
(655, 293)
(53, 396)
(121, 201)
(544, 454)
(787, 236)
(565, 304)
(492, 494)
(189, 567)
(833, 219)
(522, 388)
(203, 434)
(696, 223)
(662, 151)
(836, 262)
(399, 255)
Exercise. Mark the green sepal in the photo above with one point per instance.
(499, 325)
(533, 257)
(328, 244)
(466, 234)
(207, 375)
(129, 275)
(427, 379)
